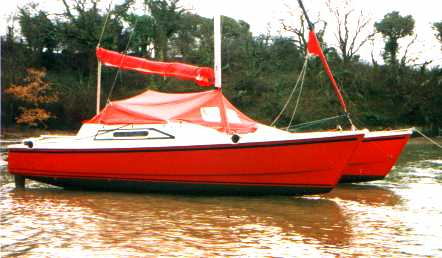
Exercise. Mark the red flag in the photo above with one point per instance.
(314, 48)
(313, 45)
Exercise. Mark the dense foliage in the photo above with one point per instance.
(258, 71)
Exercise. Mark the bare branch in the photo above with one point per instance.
(68, 10)
(297, 26)
(350, 39)
(363, 22)
(404, 57)
(298, 31)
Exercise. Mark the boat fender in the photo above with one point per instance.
(30, 144)
(235, 138)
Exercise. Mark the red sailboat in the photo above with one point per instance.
(184, 142)
(379, 150)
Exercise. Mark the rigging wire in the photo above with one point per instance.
(349, 119)
(299, 97)
(303, 69)
(307, 124)
(124, 53)
(121, 62)
(105, 23)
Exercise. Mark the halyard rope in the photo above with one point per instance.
(300, 76)
(298, 99)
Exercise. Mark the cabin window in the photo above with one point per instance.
(211, 114)
(232, 116)
(131, 134)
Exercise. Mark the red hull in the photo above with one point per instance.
(295, 163)
(374, 158)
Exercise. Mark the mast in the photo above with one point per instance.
(311, 27)
(98, 86)
(217, 49)
(217, 68)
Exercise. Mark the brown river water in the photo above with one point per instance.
(400, 216)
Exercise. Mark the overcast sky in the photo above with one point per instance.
(267, 15)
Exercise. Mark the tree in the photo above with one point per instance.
(40, 35)
(80, 30)
(38, 30)
(141, 35)
(259, 72)
(437, 26)
(351, 32)
(166, 16)
(393, 27)
(299, 29)
(34, 94)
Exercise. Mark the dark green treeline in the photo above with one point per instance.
(258, 71)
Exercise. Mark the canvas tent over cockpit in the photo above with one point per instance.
(207, 108)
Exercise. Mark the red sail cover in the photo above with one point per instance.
(207, 108)
(203, 76)
(314, 48)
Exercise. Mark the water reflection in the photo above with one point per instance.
(399, 216)
(372, 214)
(58, 220)
(367, 194)
(316, 219)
